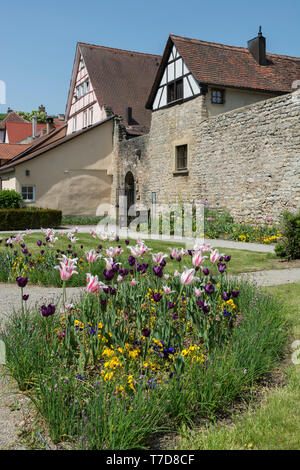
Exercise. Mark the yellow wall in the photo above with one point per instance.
(74, 177)
(234, 99)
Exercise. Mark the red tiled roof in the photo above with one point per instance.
(8, 151)
(18, 131)
(230, 66)
(11, 117)
(122, 79)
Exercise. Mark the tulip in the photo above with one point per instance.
(22, 281)
(93, 285)
(214, 256)
(221, 267)
(187, 277)
(198, 292)
(47, 311)
(133, 282)
(167, 290)
(92, 256)
(158, 257)
(209, 288)
(198, 259)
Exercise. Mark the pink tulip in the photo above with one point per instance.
(93, 285)
(167, 290)
(198, 292)
(66, 267)
(133, 282)
(92, 256)
(214, 256)
(158, 257)
(187, 277)
(198, 259)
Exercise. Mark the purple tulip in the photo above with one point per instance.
(108, 274)
(127, 242)
(39, 243)
(206, 308)
(22, 281)
(227, 258)
(163, 263)
(170, 305)
(131, 260)
(25, 297)
(221, 267)
(178, 258)
(209, 288)
(205, 271)
(158, 271)
(47, 311)
(200, 303)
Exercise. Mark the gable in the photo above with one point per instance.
(176, 73)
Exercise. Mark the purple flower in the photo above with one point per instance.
(235, 293)
(227, 258)
(39, 243)
(25, 297)
(157, 297)
(158, 271)
(146, 332)
(108, 274)
(117, 238)
(221, 267)
(22, 281)
(226, 295)
(163, 263)
(103, 302)
(200, 303)
(209, 288)
(131, 260)
(170, 305)
(178, 258)
(205, 271)
(47, 311)
(206, 308)
(127, 242)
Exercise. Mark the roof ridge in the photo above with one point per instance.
(235, 48)
(117, 49)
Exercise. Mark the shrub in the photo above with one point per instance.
(21, 219)
(10, 199)
(289, 246)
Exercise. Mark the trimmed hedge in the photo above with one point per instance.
(22, 219)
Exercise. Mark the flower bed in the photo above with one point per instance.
(143, 350)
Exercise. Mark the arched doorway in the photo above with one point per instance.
(130, 194)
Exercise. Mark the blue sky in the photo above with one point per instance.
(39, 38)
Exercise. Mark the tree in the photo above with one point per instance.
(40, 115)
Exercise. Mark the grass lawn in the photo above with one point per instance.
(275, 422)
(242, 260)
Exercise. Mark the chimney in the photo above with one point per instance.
(34, 127)
(129, 115)
(257, 47)
(50, 125)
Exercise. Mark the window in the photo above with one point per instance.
(181, 157)
(91, 112)
(28, 193)
(217, 96)
(85, 119)
(81, 64)
(175, 90)
(74, 123)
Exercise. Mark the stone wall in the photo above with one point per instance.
(246, 160)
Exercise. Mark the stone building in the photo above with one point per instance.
(225, 129)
